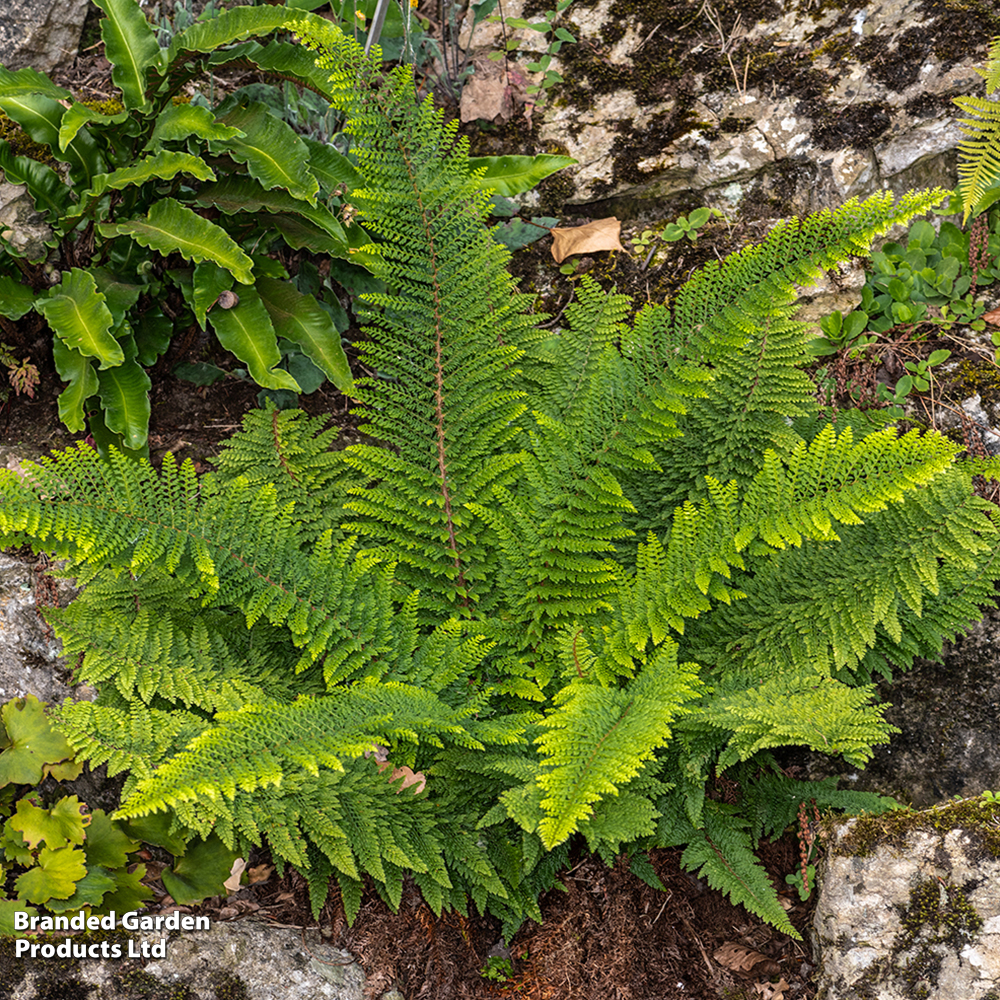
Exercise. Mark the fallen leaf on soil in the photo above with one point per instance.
(491, 92)
(259, 873)
(741, 959)
(772, 991)
(232, 883)
(993, 316)
(604, 234)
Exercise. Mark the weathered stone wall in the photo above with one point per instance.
(42, 34)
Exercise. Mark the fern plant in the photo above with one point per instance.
(593, 572)
(979, 165)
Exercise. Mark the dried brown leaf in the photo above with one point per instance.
(259, 873)
(232, 883)
(772, 991)
(993, 316)
(604, 234)
(739, 958)
(487, 93)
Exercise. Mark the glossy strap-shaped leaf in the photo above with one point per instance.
(271, 150)
(41, 117)
(124, 393)
(77, 312)
(331, 168)
(130, 46)
(74, 368)
(234, 25)
(78, 115)
(247, 332)
(29, 81)
(298, 233)
(208, 283)
(45, 186)
(164, 165)
(279, 58)
(182, 121)
(171, 227)
(509, 175)
(301, 319)
(243, 194)
(15, 298)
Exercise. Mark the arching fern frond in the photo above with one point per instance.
(979, 163)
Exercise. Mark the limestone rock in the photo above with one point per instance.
(267, 962)
(29, 653)
(272, 962)
(21, 224)
(809, 106)
(42, 34)
(914, 914)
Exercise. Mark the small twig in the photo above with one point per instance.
(555, 319)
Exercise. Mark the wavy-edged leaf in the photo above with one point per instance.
(279, 57)
(234, 25)
(509, 175)
(77, 115)
(119, 295)
(15, 298)
(30, 81)
(124, 393)
(130, 46)
(332, 168)
(209, 282)
(171, 227)
(79, 315)
(272, 152)
(298, 232)
(46, 187)
(41, 117)
(164, 165)
(153, 332)
(247, 332)
(182, 121)
(243, 194)
(301, 319)
(74, 368)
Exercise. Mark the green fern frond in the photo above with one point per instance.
(291, 451)
(598, 738)
(721, 852)
(979, 163)
(446, 348)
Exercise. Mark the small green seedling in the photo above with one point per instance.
(921, 376)
(838, 332)
(644, 240)
(688, 225)
(500, 970)
(796, 879)
(541, 65)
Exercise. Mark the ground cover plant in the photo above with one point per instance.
(594, 573)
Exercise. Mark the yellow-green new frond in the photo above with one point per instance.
(597, 739)
(262, 745)
(803, 710)
(979, 163)
(836, 479)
